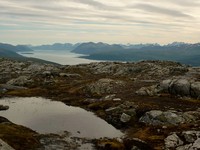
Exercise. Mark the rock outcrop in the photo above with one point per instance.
(173, 141)
(187, 140)
(168, 97)
(195, 89)
(153, 90)
(122, 114)
(11, 69)
(20, 81)
(180, 86)
(104, 86)
(149, 69)
(158, 117)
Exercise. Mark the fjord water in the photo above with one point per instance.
(60, 57)
(46, 116)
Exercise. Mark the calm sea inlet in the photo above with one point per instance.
(60, 57)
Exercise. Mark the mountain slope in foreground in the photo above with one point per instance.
(155, 103)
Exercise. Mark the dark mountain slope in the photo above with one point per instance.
(9, 54)
(14, 56)
(18, 48)
(184, 53)
(92, 48)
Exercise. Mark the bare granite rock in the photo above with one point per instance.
(20, 81)
(190, 141)
(125, 118)
(104, 86)
(157, 117)
(173, 141)
(149, 69)
(149, 91)
(180, 86)
(195, 89)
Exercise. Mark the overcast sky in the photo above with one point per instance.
(111, 21)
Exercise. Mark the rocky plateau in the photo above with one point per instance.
(156, 104)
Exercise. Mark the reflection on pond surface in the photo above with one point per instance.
(46, 116)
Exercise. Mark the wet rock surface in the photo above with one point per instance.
(3, 120)
(155, 102)
(2, 107)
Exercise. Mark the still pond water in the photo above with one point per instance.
(46, 116)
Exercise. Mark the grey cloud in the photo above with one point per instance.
(66, 9)
(52, 2)
(42, 12)
(161, 10)
(96, 4)
(186, 3)
(143, 17)
(122, 19)
(47, 13)
(31, 8)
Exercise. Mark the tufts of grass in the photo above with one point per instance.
(27, 92)
(19, 137)
(109, 144)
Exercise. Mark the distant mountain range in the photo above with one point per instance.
(9, 54)
(56, 46)
(10, 51)
(91, 48)
(182, 52)
(18, 48)
(178, 51)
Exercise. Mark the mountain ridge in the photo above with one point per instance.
(17, 48)
(55, 46)
(182, 52)
(185, 53)
(11, 52)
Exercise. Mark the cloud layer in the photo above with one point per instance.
(114, 21)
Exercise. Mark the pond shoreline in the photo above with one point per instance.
(52, 140)
(46, 116)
